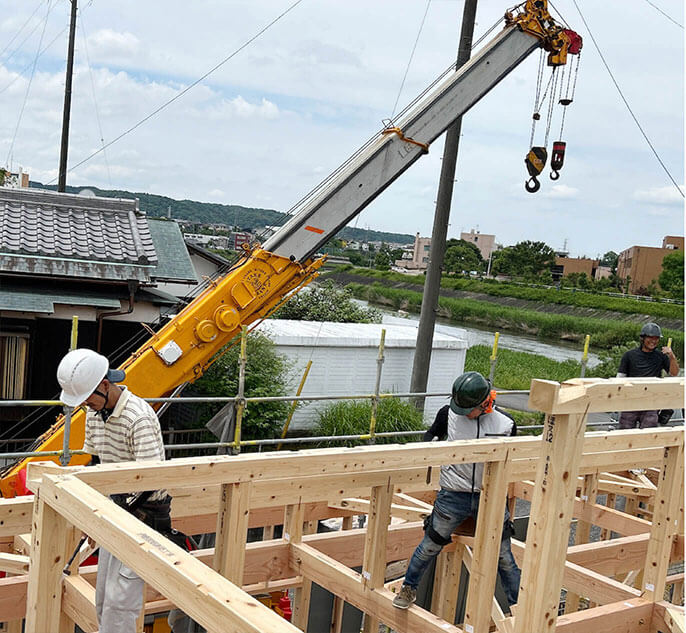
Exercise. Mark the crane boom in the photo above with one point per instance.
(182, 350)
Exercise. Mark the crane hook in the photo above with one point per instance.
(532, 185)
(535, 162)
(557, 159)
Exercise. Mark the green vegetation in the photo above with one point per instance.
(353, 418)
(462, 256)
(326, 302)
(672, 276)
(527, 260)
(605, 333)
(266, 374)
(545, 295)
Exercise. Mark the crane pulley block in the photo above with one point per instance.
(535, 162)
(557, 159)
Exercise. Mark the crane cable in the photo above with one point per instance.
(626, 103)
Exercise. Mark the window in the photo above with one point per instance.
(13, 365)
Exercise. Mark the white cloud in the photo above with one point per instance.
(560, 192)
(660, 195)
(106, 44)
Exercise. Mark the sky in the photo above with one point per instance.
(290, 106)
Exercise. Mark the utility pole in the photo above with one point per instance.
(64, 149)
(432, 284)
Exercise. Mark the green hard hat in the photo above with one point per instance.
(469, 391)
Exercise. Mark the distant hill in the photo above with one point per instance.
(213, 213)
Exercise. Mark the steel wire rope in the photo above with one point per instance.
(409, 61)
(16, 35)
(671, 19)
(28, 87)
(180, 94)
(626, 103)
(95, 100)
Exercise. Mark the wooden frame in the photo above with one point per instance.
(559, 472)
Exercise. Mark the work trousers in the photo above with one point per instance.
(118, 595)
(645, 419)
(450, 509)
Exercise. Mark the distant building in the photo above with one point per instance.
(216, 241)
(484, 242)
(418, 257)
(20, 180)
(643, 264)
(565, 266)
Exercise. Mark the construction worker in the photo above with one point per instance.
(120, 427)
(470, 415)
(646, 361)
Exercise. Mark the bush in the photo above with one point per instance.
(353, 417)
(266, 374)
(326, 303)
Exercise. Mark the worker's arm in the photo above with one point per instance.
(673, 362)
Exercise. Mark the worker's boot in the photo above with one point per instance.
(405, 597)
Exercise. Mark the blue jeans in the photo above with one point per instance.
(450, 509)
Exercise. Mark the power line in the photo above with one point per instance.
(23, 26)
(663, 13)
(186, 89)
(626, 103)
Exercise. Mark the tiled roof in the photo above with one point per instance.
(58, 234)
(173, 261)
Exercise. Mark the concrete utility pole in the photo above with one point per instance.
(427, 318)
(64, 149)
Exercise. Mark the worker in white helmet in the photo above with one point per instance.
(120, 427)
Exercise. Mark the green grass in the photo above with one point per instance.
(353, 417)
(545, 295)
(605, 333)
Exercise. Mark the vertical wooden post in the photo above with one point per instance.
(605, 533)
(447, 583)
(374, 560)
(52, 542)
(551, 513)
(489, 530)
(339, 603)
(232, 531)
(589, 492)
(665, 523)
(293, 533)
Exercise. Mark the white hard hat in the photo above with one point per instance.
(80, 372)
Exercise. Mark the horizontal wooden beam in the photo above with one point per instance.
(78, 602)
(597, 395)
(14, 563)
(627, 616)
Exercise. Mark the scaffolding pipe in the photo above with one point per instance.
(295, 401)
(240, 396)
(494, 357)
(584, 356)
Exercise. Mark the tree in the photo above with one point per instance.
(382, 261)
(266, 374)
(609, 260)
(526, 259)
(461, 256)
(672, 276)
(326, 303)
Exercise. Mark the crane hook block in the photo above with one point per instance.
(535, 162)
(557, 159)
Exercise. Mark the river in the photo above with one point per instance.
(474, 336)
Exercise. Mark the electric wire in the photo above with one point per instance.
(681, 26)
(409, 61)
(23, 26)
(28, 87)
(626, 103)
(187, 88)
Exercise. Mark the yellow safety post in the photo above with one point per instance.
(240, 397)
(295, 403)
(375, 397)
(494, 357)
(74, 332)
(584, 356)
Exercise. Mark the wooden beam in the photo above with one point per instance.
(668, 618)
(343, 582)
(665, 521)
(293, 533)
(628, 616)
(602, 395)
(204, 595)
(551, 516)
(374, 561)
(79, 602)
(14, 563)
(489, 529)
(447, 583)
(232, 531)
(15, 515)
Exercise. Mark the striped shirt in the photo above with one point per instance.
(131, 433)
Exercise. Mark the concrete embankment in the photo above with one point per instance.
(539, 306)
